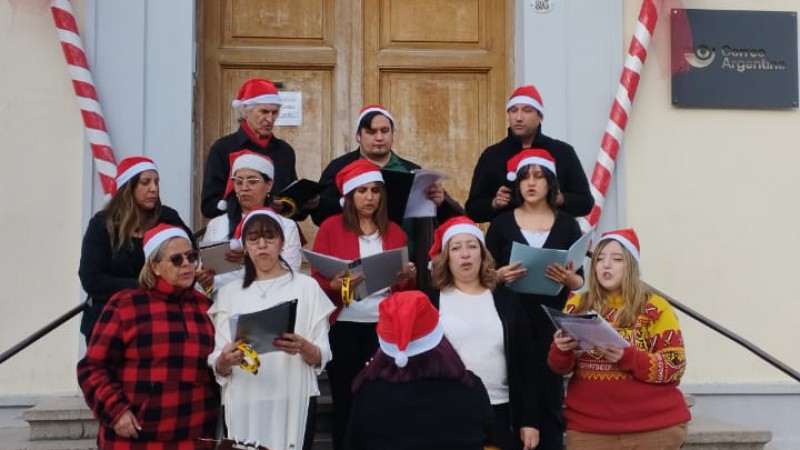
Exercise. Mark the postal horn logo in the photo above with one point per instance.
(701, 57)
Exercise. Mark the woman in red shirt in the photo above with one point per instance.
(362, 229)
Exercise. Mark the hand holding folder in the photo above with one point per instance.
(260, 328)
(536, 261)
(590, 330)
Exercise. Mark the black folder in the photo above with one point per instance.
(398, 186)
(259, 328)
(301, 191)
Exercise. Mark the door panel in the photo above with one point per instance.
(439, 66)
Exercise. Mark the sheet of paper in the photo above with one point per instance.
(419, 205)
(536, 260)
(213, 257)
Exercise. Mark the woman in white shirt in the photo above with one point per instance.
(487, 328)
(251, 182)
(276, 405)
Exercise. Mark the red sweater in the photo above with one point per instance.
(148, 354)
(334, 239)
(638, 393)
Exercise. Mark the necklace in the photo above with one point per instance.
(272, 283)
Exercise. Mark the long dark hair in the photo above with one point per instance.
(380, 216)
(235, 209)
(552, 187)
(124, 217)
(265, 225)
(440, 363)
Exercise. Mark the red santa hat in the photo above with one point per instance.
(237, 241)
(527, 157)
(132, 166)
(526, 95)
(355, 174)
(451, 227)
(408, 325)
(160, 234)
(626, 237)
(246, 159)
(374, 108)
(256, 91)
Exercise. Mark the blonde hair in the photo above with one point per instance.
(148, 277)
(635, 294)
(124, 217)
(442, 277)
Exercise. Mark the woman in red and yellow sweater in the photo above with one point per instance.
(361, 230)
(623, 397)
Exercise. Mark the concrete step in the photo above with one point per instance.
(61, 418)
(18, 439)
(710, 434)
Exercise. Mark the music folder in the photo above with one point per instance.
(259, 328)
(301, 191)
(591, 330)
(398, 187)
(536, 260)
(380, 270)
(212, 256)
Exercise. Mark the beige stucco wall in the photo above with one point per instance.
(41, 180)
(713, 196)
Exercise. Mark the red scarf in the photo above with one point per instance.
(261, 142)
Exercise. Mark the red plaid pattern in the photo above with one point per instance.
(148, 354)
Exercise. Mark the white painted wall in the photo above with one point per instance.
(41, 180)
(142, 58)
(713, 195)
(574, 54)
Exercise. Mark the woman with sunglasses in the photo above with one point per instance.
(251, 181)
(536, 221)
(362, 229)
(145, 375)
(111, 253)
(275, 406)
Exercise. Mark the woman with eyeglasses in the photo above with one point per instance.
(362, 229)
(111, 253)
(249, 187)
(275, 406)
(145, 374)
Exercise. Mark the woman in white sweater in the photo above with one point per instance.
(251, 182)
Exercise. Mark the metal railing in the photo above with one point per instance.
(752, 348)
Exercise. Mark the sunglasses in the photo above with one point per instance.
(177, 259)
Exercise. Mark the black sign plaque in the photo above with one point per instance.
(734, 59)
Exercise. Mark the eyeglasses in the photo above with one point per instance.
(250, 182)
(177, 259)
(254, 238)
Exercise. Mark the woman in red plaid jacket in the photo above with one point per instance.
(145, 374)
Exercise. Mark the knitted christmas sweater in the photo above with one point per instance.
(638, 393)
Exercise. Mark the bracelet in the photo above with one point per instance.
(347, 294)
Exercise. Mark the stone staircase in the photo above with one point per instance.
(65, 423)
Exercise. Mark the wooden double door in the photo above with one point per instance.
(442, 67)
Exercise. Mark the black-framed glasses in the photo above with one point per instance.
(250, 182)
(177, 259)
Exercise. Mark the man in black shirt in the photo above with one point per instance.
(490, 191)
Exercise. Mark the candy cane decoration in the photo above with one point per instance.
(93, 123)
(620, 111)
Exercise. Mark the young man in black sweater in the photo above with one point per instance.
(490, 193)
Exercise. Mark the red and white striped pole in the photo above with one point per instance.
(93, 124)
(620, 111)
